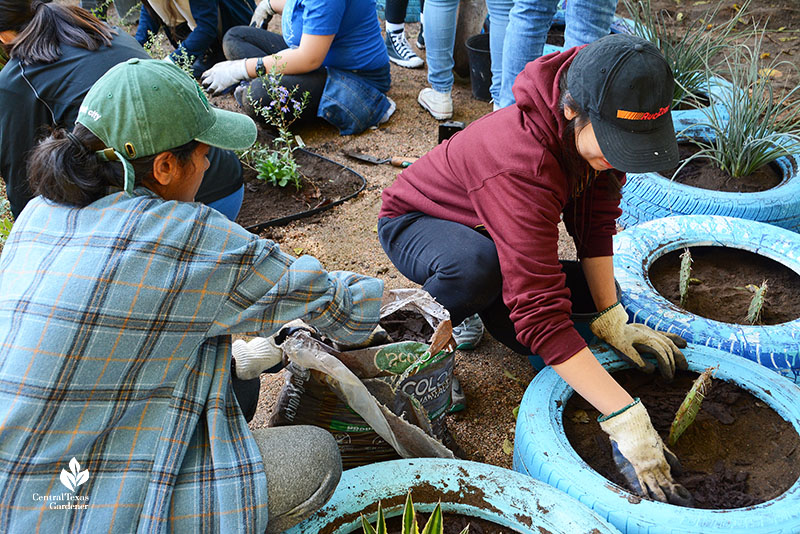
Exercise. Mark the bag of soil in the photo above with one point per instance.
(380, 402)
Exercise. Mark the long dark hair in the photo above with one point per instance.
(43, 28)
(64, 168)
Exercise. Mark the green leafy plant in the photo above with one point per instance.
(687, 411)
(435, 525)
(6, 221)
(760, 125)
(757, 302)
(688, 48)
(277, 165)
(156, 48)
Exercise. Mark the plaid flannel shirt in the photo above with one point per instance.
(115, 323)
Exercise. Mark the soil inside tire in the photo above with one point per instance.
(453, 524)
(701, 173)
(738, 452)
(724, 273)
(323, 182)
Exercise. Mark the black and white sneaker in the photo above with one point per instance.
(400, 52)
(420, 39)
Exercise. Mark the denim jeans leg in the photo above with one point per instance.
(526, 33)
(441, 17)
(498, 20)
(587, 21)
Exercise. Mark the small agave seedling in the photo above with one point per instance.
(433, 526)
(685, 275)
(688, 409)
(757, 302)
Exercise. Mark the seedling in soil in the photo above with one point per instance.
(690, 406)
(756, 303)
(685, 273)
(277, 166)
(434, 525)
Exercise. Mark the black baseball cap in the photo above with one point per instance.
(625, 85)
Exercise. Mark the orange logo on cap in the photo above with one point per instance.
(640, 115)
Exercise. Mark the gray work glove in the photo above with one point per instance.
(262, 15)
(224, 75)
(642, 457)
(630, 340)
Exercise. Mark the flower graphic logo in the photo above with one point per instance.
(74, 478)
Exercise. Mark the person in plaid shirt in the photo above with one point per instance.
(118, 298)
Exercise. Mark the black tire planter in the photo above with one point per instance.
(542, 450)
(280, 221)
(776, 347)
(468, 488)
(651, 196)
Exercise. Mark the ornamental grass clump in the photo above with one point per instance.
(277, 165)
(761, 126)
(688, 48)
(435, 525)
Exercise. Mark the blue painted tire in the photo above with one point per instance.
(650, 196)
(468, 488)
(541, 450)
(635, 249)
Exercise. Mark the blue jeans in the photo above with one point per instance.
(498, 21)
(439, 30)
(526, 33)
(230, 205)
(455, 264)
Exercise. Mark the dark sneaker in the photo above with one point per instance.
(400, 52)
(420, 39)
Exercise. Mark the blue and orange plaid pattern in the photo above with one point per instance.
(115, 323)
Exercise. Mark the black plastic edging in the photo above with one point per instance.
(280, 221)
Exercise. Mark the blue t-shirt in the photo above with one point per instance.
(358, 44)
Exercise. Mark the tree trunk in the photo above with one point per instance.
(471, 14)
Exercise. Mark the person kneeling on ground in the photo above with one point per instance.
(57, 53)
(118, 298)
(331, 49)
(475, 221)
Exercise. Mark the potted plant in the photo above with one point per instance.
(733, 246)
(543, 450)
(501, 496)
(742, 160)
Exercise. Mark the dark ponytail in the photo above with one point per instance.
(43, 28)
(65, 169)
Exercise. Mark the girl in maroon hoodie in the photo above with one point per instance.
(475, 221)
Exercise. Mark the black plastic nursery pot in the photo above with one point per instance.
(543, 450)
(326, 184)
(500, 496)
(480, 66)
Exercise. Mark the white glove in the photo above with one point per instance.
(256, 356)
(641, 456)
(224, 74)
(629, 340)
(262, 15)
(168, 59)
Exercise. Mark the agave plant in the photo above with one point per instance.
(687, 48)
(761, 126)
(433, 526)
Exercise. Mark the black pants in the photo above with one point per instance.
(396, 10)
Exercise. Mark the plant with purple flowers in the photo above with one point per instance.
(277, 165)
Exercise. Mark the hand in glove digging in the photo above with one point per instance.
(630, 340)
(262, 15)
(224, 74)
(641, 456)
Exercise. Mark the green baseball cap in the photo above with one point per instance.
(143, 107)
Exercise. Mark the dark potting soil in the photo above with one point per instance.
(323, 182)
(453, 524)
(555, 35)
(738, 452)
(703, 174)
(724, 273)
(404, 325)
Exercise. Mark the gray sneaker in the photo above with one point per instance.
(469, 333)
(400, 52)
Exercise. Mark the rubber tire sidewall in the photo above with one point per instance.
(635, 249)
(541, 449)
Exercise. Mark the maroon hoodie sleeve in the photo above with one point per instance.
(591, 219)
(522, 213)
